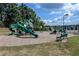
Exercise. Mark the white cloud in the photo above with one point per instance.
(66, 21)
(59, 20)
(47, 22)
(77, 6)
(69, 7)
(55, 12)
(55, 19)
(37, 6)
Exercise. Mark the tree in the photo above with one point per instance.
(8, 12)
(11, 13)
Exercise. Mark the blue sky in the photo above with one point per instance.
(52, 13)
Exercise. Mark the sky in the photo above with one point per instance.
(53, 13)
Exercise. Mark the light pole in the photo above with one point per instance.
(63, 20)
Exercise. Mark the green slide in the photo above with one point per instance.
(26, 29)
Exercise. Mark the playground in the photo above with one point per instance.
(26, 39)
(22, 28)
(21, 40)
(45, 45)
(44, 36)
(22, 32)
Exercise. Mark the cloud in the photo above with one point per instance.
(77, 6)
(55, 12)
(68, 7)
(71, 7)
(37, 6)
(47, 21)
(57, 21)
(51, 6)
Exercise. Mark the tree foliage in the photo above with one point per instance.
(12, 12)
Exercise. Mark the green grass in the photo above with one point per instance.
(73, 45)
(45, 49)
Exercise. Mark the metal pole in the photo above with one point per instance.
(63, 19)
(63, 22)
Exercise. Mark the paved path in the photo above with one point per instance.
(14, 41)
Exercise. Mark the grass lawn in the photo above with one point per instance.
(73, 45)
(45, 49)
